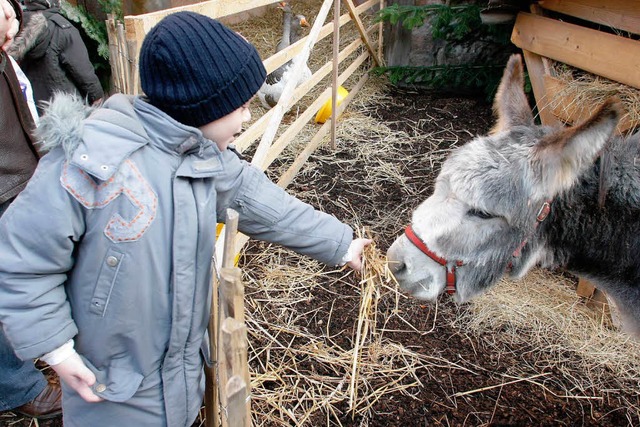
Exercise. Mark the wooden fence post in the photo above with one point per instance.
(234, 382)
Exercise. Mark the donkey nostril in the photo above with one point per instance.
(396, 267)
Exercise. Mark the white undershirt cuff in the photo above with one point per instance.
(60, 354)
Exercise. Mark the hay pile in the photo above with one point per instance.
(588, 90)
(575, 342)
(308, 378)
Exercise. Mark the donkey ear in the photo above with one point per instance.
(561, 157)
(510, 105)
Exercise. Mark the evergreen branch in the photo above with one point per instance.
(466, 77)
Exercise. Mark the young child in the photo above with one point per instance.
(107, 277)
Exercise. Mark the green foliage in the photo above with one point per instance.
(455, 25)
(95, 29)
(450, 23)
(410, 16)
(465, 78)
(94, 34)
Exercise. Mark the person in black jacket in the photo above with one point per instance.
(23, 388)
(52, 54)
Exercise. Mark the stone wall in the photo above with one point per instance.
(417, 47)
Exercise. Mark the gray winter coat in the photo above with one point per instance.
(111, 242)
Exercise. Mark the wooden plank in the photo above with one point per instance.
(231, 293)
(536, 68)
(211, 397)
(231, 229)
(619, 14)
(585, 288)
(566, 106)
(211, 8)
(234, 341)
(587, 49)
(235, 345)
(134, 34)
(335, 69)
(356, 18)
(123, 59)
(114, 54)
(282, 106)
(596, 299)
(380, 35)
(224, 255)
(288, 136)
(236, 390)
(227, 237)
(286, 99)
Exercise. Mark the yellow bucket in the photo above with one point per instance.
(218, 230)
(324, 113)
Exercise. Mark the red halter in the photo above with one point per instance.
(450, 287)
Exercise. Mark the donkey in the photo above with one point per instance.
(528, 195)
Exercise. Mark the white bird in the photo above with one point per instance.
(292, 31)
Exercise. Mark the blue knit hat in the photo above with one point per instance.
(197, 70)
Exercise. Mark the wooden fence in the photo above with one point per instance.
(545, 35)
(228, 333)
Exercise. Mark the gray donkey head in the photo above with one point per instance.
(490, 195)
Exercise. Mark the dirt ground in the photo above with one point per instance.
(465, 378)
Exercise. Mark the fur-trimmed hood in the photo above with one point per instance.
(62, 123)
(80, 130)
(33, 39)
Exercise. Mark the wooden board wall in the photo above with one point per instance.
(545, 36)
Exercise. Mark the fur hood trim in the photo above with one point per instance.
(95, 139)
(35, 26)
(62, 123)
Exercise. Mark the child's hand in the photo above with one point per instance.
(76, 375)
(356, 248)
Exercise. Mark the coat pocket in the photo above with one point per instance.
(116, 384)
(106, 280)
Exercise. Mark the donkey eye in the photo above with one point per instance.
(479, 214)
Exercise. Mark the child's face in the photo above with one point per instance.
(224, 130)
